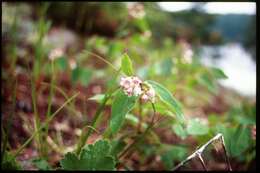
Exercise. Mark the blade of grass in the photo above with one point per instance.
(45, 135)
(48, 121)
(102, 59)
(71, 105)
(36, 116)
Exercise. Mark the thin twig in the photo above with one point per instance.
(226, 154)
(202, 162)
(200, 151)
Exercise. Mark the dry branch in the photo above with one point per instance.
(200, 151)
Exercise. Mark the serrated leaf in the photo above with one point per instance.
(218, 73)
(180, 131)
(71, 162)
(126, 65)
(166, 96)
(41, 164)
(93, 157)
(120, 107)
(195, 127)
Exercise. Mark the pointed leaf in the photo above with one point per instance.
(41, 164)
(218, 73)
(120, 107)
(166, 96)
(126, 65)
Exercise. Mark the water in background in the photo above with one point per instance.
(237, 64)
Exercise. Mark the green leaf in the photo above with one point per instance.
(245, 120)
(168, 99)
(120, 107)
(180, 131)
(218, 73)
(71, 162)
(62, 63)
(41, 164)
(237, 140)
(126, 65)
(195, 127)
(240, 141)
(92, 157)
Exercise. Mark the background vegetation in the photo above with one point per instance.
(159, 44)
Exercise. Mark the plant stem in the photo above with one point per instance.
(45, 135)
(36, 116)
(141, 136)
(140, 117)
(84, 136)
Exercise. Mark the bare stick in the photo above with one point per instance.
(200, 151)
(226, 154)
(202, 162)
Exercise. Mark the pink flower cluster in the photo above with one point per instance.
(132, 87)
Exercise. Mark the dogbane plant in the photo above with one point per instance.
(130, 88)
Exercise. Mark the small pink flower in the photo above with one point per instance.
(137, 90)
(136, 80)
(131, 85)
(144, 98)
(125, 83)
